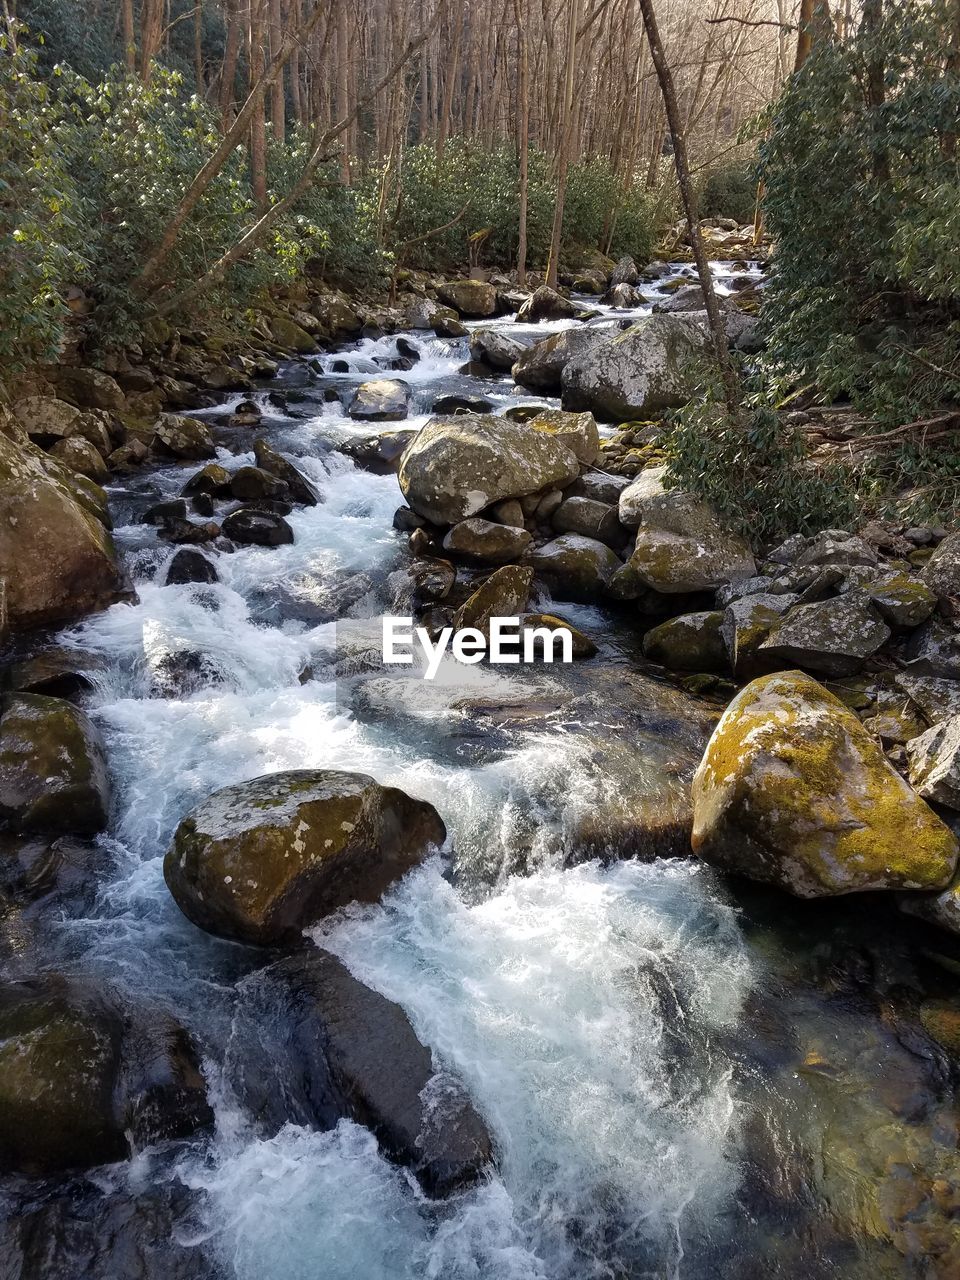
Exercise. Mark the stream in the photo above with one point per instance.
(684, 1079)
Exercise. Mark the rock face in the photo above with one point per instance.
(486, 542)
(53, 774)
(382, 400)
(831, 636)
(56, 558)
(682, 547)
(650, 367)
(794, 792)
(261, 860)
(935, 763)
(344, 1050)
(545, 304)
(472, 298)
(540, 367)
(454, 467)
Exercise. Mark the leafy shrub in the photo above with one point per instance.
(730, 191)
(600, 213)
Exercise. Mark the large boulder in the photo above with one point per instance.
(184, 437)
(546, 304)
(576, 567)
(833, 637)
(471, 298)
(934, 759)
(578, 431)
(300, 488)
(45, 416)
(591, 518)
(340, 1049)
(261, 860)
(681, 545)
(650, 367)
(88, 388)
(486, 541)
(690, 642)
(381, 400)
(494, 348)
(53, 773)
(454, 467)
(540, 367)
(251, 526)
(57, 560)
(793, 791)
(941, 573)
(503, 595)
(79, 455)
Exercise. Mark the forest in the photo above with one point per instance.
(479, 639)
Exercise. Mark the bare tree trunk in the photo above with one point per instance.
(556, 235)
(258, 124)
(231, 52)
(129, 35)
(718, 333)
(805, 33)
(198, 46)
(277, 97)
(342, 84)
(524, 141)
(151, 33)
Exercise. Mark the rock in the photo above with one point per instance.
(937, 699)
(211, 479)
(53, 772)
(473, 298)
(901, 600)
(934, 650)
(184, 437)
(455, 467)
(432, 578)
(405, 520)
(503, 595)
(301, 490)
(688, 298)
(652, 366)
(547, 505)
(625, 272)
(42, 416)
(382, 400)
(190, 566)
(649, 484)
(691, 642)
(261, 860)
(57, 560)
(941, 573)
(837, 548)
(792, 791)
(583, 646)
(591, 518)
(344, 1050)
(486, 542)
(56, 672)
(934, 759)
(508, 512)
(381, 453)
(493, 347)
(681, 546)
(577, 568)
(546, 304)
(80, 455)
(88, 388)
(261, 528)
(161, 512)
(941, 909)
(833, 637)
(599, 485)
(540, 367)
(446, 406)
(186, 532)
(623, 297)
(578, 431)
(247, 484)
(747, 622)
(446, 324)
(291, 336)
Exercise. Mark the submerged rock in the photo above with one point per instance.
(261, 860)
(503, 595)
(300, 488)
(253, 525)
(53, 772)
(794, 792)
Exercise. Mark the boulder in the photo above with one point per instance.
(793, 791)
(934, 759)
(301, 490)
(57, 560)
(688, 298)
(432, 578)
(53, 772)
(625, 272)
(503, 595)
(88, 388)
(486, 541)
(648, 484)
(495, 348)
(190, 566)
(836, 547)
(261, 860)
(901, 600)
(623, 297)
(79, 455)
(472, 298)
(250, 525)
(445, 406)
(42, 416)
(575, 567)
(747, 621)
(381, 453)
(578, 431)
(583, 646)
(188, 532)
(941, 573)
(184, 437)
(57, 672)
(833, 637)
(690, 642)
(599, 485)
(382, 400)
(248, 484)
(290, 336)
(455, 467)
(508, 512)
(652, 366)
(934, 650)
(681, 546)
(546, 304)
(591, 518)
(338, 1050)
(540, 367)
(211, 479)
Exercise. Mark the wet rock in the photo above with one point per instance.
(187, 532)
(575, 567)
(301, 490)
(941, 573)
(57, 560)
(161, 512)
(691, 642)
(53, 773)
(578, 431)
(545, 304)
(591, 518)
(405, 520)
(381, 453)
(794, 792)
(55, 672)
(432, 578)
(486, 542)
(343, 1050)
(250, 483)
(652, 366)
(212, 479)
(934, 758)
(503, 595)
(495, 348)
(191, 566)
(455, 467)
(833, 637)
(508, 512)
(583, 646)
(382, 400)
(251, 525)
(473, 298)
(184, 437)
(681, 546)
(747, 622)
(261, 860)
(246, 414)
(446, 406)
(540, 367)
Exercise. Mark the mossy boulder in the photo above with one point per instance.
(471, 298)
(691, 642)
(901, 600)
(578, 431)
(184, 437)
(793, 791)
(261, 860)
(582, 645)
(833, 637)
(79, 455)
(681, 546)
(746, 624)
(45, 416)
(57, 560)
(301, 490)
(540, 367)
(486, 542)
(503, 595)
(290, 336)
(53, 773)
(575, 567)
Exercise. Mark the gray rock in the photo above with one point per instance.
(625, 272)
(747, 622)
(934, 650)
(941, 573)
(261, 528)
(602, 486)
(690, 642)
(648, 485)
(540, 367)
(934, 759)
(495, 348)
(901, 600)
(575, 567)
(546, 304)
(837, 548)
(184, 437)
(486, 542)
(832, 637)
(591, 518)
(381, 400)
(682, 547)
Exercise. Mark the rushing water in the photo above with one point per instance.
(628, 1035)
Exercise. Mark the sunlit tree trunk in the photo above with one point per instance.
(566, 140)
(258, 128)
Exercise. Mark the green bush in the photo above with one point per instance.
(730, 191)
(600, 213)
